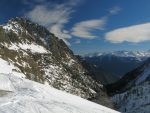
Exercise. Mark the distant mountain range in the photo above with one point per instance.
(110, 66)
(137, 54)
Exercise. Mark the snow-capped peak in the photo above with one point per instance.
(124, 53)
(29, 50)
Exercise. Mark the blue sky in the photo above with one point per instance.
(88, 25)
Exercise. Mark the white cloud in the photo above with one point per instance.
(78, 41)
(53, 16)
(83, 29)
(135, 34)
(47, 17)
(56, 16)
(62, 34)
(114, 10)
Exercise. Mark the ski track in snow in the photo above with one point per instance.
(26, 96)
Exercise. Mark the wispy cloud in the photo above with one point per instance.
(134, 34)
(53, 16)
(83, 29)
(78, 41)
(48, 16)
(114, 10)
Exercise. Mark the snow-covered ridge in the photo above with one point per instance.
(32, 97)
(137, 54)
(16, 28)
(13, 26)
(143, 76)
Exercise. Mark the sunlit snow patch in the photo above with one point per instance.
(7, 68)
(5, 84)
(34, 48)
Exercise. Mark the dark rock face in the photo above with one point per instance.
(44, 58)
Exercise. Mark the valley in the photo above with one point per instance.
(118, 80)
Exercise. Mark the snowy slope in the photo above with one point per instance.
(25, 96)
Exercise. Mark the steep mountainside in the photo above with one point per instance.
(116, 63)
(131, 93)
(130, 79)
(97, 72)
(36, 54)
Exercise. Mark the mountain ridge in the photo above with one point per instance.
(36, 54)
(131, 93)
